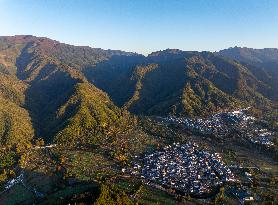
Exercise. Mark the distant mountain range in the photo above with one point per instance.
(73, 94)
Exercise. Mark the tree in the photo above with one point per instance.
(220, 198)
(3, 176)
(110, 195)
(39, 142)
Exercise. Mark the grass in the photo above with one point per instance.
(151, 196)
(130, 185)
(88, 165)
(64, 195)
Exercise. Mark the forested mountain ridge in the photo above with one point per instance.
(60, 85)
(51, 90)
(262, 63)
(244, 54)
(212, 82)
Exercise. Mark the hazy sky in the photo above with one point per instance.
(146, 25)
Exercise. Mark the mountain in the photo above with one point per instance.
(103, 112)
(179, 83)
(15, 122)
(73, 94)
(262, 63)
(42, 78)
(244, 54)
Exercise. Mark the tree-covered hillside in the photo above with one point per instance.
(61, 87)
(262, 63)
(179, 83)
(45, 79)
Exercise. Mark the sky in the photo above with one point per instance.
(144, 26)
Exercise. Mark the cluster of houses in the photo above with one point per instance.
(219, 124)
(224, 123)
(262, 136)
(204, 126)
(185, 168)
(189, 169)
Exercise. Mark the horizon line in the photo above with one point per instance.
(122, 50)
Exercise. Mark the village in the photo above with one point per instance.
(224, 123)
(184, 168)
(189, 169)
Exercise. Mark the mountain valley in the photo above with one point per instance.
(74, 121)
